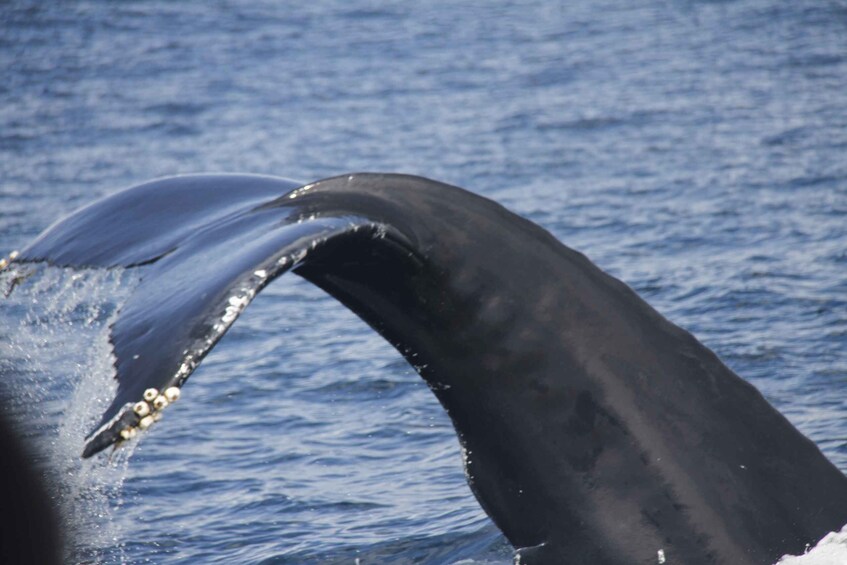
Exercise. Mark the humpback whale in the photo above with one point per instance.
(593, 429)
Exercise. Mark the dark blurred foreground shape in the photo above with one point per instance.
(29, 526)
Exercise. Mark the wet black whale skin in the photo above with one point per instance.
(594, 430)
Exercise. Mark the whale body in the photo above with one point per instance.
(593, 429)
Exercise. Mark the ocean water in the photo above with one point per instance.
(694, 149)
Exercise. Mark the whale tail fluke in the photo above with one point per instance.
(591, 425)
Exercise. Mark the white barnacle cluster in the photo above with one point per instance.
(4, 262)
(185, 368)
(234, 306)
(149, 409)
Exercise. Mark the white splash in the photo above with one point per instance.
(831, 550)
(58, 366)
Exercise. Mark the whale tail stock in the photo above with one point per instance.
(594, 430)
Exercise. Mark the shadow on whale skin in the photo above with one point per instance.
(593, 429)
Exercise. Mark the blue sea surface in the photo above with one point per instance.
(695, 149)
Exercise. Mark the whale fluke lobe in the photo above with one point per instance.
(594, 430)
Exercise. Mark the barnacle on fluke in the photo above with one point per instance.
(149, 410)
(5, 261)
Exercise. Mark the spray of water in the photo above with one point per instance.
(57, 365)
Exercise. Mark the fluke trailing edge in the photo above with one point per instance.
(598, 431)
